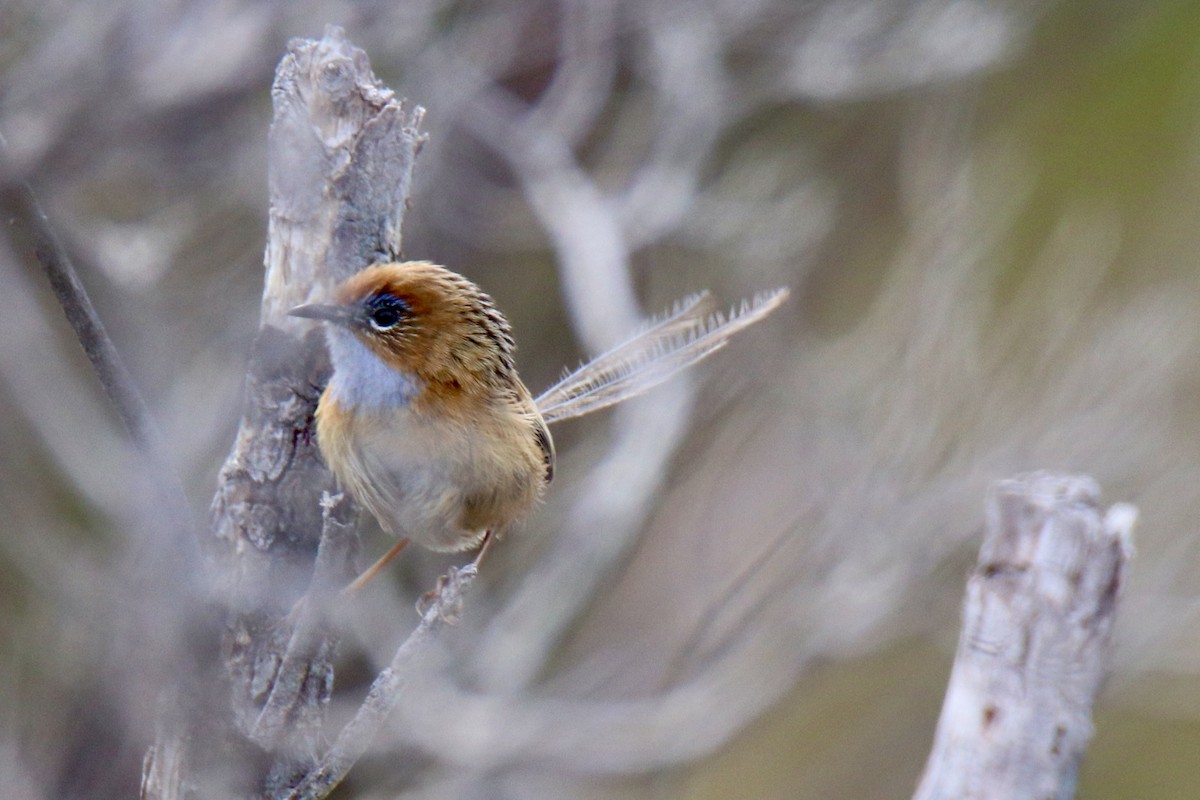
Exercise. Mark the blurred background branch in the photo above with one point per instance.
(983, 208)
(29, 217)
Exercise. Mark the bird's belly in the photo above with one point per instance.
(422, 474)
(432, 481)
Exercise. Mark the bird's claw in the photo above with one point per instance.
(445, 600)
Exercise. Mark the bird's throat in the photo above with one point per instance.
(363, 380)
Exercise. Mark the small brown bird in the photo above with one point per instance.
(425, 420)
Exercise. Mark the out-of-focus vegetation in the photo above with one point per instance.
(985, 211)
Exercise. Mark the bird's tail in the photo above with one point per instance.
(687, 333)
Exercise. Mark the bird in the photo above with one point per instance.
(425, 420)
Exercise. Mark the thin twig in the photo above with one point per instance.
(385, 691)
(103, 355)
(81, 314)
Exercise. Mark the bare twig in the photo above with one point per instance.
(115, 379)
(104, 357)
(1033, 651)
(385, 691)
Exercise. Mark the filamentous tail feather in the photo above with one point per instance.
(690, 331)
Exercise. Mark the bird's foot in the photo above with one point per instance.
(445, 600)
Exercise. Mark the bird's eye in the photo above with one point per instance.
(385, 312)
(384, 318)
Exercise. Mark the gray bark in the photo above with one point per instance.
(341, 154)
(1033, 651)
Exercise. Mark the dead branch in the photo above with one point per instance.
(342, 149)
(1034, 647)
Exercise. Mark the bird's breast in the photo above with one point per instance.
(441, 480)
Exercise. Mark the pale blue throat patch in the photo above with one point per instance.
(361, 379)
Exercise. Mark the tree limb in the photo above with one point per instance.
(341, 154)
(1037, 621)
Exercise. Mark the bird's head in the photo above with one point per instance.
(421, 319)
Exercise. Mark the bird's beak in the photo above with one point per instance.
(339, 315)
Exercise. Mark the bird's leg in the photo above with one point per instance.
(488, 538)
(434, 594)
(373, 570)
